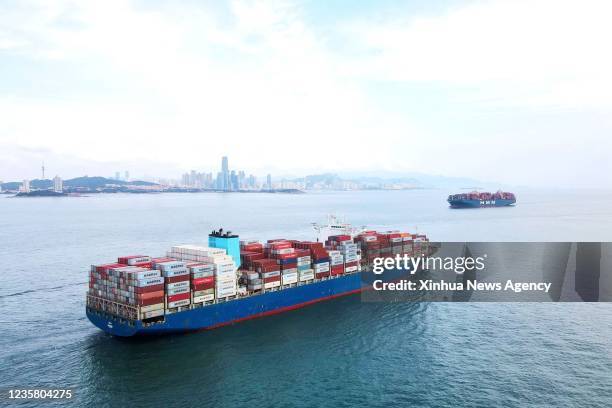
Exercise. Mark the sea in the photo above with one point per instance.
(339, 353)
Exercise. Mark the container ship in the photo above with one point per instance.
(197, 287)
(477, 200)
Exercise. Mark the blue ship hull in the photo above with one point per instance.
(480, 203)
(233, 311)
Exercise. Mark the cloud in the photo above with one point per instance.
(181, 84)
(530, 52)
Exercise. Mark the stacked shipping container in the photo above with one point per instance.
(140, 287)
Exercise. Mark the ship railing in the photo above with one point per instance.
(121, 310)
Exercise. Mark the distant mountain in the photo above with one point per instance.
(92, 182)
(408, 180)
(79, 182)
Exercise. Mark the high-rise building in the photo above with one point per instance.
(269, 182)
(25, 186)
(117, 176)
(58, 184)
(127, 175)
(220, 180)
(0, 186)
(225, 175)
(233, 181)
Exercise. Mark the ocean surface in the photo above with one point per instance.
(340, 353)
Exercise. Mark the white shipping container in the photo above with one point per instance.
(176, 272)
(306, 275)
(203, 298)
(140, 259)
(204, 292)
(225, 286)
(170, 265)
(151, 308)
(249, 275)
(179, 303)
(153, 313)
(350, 269)
(149, 282)
(177, 285)
(289, 271)
(202, 268)
(291, 278)
(226, 293)
(197, 250)
(177, 291)
(270, 285)
(197, 275)
(270, 274)
(284, 251)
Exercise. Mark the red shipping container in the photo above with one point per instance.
(124, 259)
(153, 288)
(151, 301)
(337, 270)
(203, 286)
(253, 248)
(272, 279)
(279, 245)
(175, 279)
(321, 275)
(199, 281)
(146, 265)
(106, 267)
(176, 298)
(149, 295)
(162, 259)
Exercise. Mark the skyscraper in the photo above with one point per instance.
(58, 184)
(225, 174)
(25, 186)
(269, 182)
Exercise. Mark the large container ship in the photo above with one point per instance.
(476, 199)
(196, 287)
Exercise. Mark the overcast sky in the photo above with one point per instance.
(512, 91)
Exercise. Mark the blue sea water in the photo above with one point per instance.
(338, 353)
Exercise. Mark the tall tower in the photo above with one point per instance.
(225, 173)
(58, 184)
(25, 186)
(43, 170)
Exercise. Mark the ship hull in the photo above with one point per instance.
(233, 311)
(480, 203)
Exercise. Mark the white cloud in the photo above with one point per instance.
(554, 51)
(257, 82)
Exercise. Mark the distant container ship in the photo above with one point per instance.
(476, 199)
(203, 287)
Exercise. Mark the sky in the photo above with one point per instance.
(515, 92)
